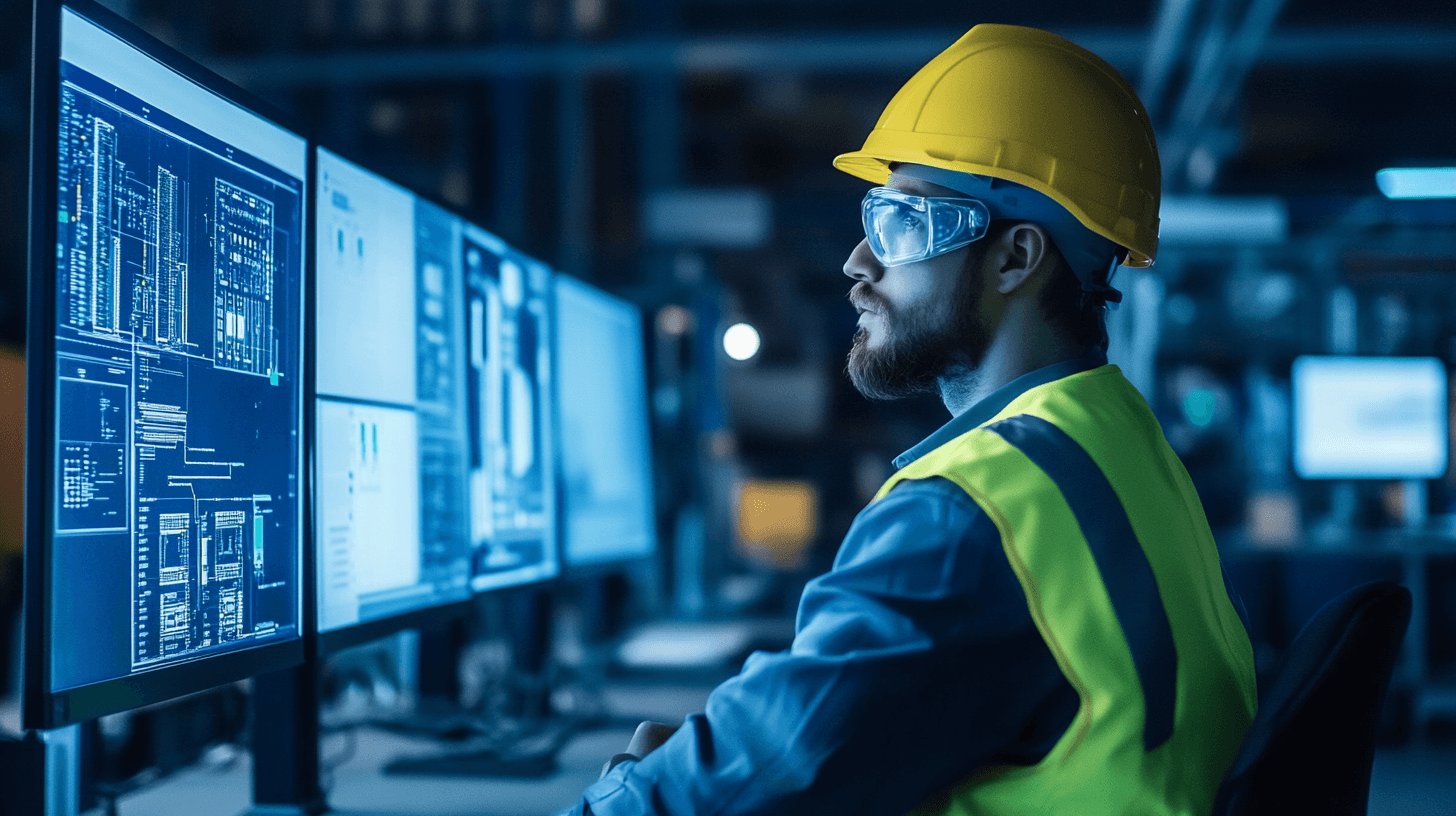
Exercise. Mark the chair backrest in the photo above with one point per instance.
(1312, 743)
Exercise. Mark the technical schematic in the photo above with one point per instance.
(243, 243)
(178, 331)
(512, 510)
(91, 462)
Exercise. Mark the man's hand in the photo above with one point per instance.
(648, 736)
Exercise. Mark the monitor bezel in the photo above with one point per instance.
(41, 707)
(615, 564)
(439, 615)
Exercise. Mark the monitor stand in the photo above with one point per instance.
(1413, 503)
(286, 743)
(286, 759)
(40, 773)
(1338, 525)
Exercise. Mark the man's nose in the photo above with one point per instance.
(862, 264)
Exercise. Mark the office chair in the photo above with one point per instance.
(1312, 743)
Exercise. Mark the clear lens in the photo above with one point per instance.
(903, 228)
(896, 229)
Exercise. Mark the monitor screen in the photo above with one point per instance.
(1369, 417)
(389, 433)
(606, 454)
(512, 453)
(174, 522)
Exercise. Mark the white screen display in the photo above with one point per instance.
(1370, 417)
(606, 455)
(366, 284)
(391, 510)
(369, 507)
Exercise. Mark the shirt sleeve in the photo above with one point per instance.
(914, 662)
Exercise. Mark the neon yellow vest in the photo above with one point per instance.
(1166, 700)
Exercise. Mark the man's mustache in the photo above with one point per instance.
(866, 299)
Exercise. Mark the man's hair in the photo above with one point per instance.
(1082, 320)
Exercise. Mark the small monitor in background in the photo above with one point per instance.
(606, 453)
(512, 451)
(165, 377)
(1370, 417)
(390, 500)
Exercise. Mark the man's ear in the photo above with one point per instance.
(1017, 254)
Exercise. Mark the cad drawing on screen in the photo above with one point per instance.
(178, 264)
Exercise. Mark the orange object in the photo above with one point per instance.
(12, 451)
(777, 521)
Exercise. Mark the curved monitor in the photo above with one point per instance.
(511, 442)
(606, 450)
(165, 376)
(391, 519)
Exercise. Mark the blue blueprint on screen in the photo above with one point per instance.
(177, 389)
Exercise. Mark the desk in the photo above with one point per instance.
(359, 785)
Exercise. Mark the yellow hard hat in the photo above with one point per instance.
(1029, 107)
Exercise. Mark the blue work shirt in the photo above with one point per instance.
(914, 662)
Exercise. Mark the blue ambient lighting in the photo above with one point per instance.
(1417, 182)
(1199, 406)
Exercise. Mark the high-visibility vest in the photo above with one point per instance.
(1105, 532)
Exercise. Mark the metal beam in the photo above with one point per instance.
(574, 158)
(1169, 30)
(1224, 60)
(846, 54)
(1230, 62)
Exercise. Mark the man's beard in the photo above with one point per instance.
(917, 352)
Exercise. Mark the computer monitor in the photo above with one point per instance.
(391, 517)
(165, 391)
(1369, 417)
(512, 446)
(607, 508)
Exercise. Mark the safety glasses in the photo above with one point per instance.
(903, 228)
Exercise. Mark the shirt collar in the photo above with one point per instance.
(997, 400)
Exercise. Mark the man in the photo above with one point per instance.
(1030, 617)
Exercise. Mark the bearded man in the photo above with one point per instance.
(1030, 618)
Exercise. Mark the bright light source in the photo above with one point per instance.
(674, 320)
(1223, 220)
(741, 341)
(1417, 182)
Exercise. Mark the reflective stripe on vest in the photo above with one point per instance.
(1103, 529)
(1120, 561)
